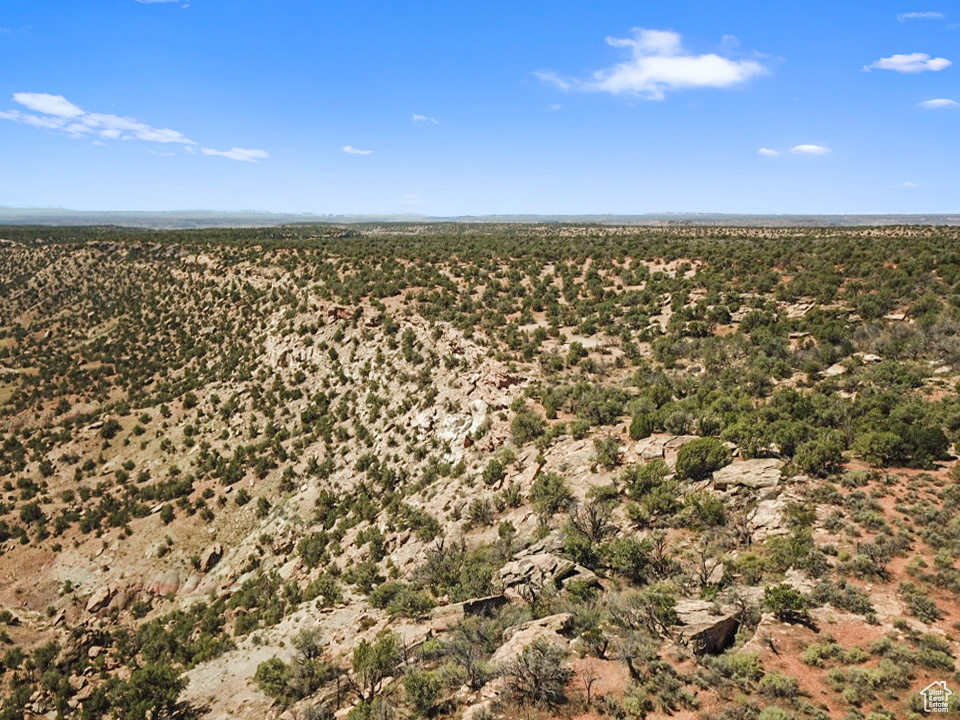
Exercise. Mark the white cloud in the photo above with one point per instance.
(920, 16)
(938, 103)
(37, 121)
(236, 153)
(767, 152)
(353, 151)
(729, 43)
(909, 63)
(424, 120)
(809, 150)
(909, 184)
(658, 63)
(551, 78)
(60, 115)
(48, 104)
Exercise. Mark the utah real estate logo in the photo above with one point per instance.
(936, 697)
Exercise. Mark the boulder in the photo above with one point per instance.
(164, 583)
(485, 606)
(768, 519)
(191, 585)
(99, 599)
(452, 428)
(716, 638)
(447, 616)
(708, 627)
(662, 447)
(120, 601)
(536, 569)
(756, 473)
(210, 557)
(518, 637)
(763, 635)
(478, 415)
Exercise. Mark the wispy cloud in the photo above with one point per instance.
(767, 152)
(910, 63)
(938, 103)
(242, 154)
(551, 78)
(57, 114)
(909, 184)
(48, 104)
(424, 120)
(350, 150)
(920, 16)
(658, 63)
(810, 150)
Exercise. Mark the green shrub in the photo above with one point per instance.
(704, 510)
(919, 604)
(493, 472)
(629, 557)
(606, 451)
(638, 480)
(784, 601)
(422, 690)
(272, 677)
(880, 448)
(819, 458)
(641, 426)
(777, 685)
(538, 676)
(550, 494)
(742, 666)
(699, 458)
(526, 426)
(375, 662)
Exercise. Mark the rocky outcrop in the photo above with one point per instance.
(447, 616)
(485, 606)
(716, 638)
(210, 557)
(706, 626)
(542, 568)
(120, 600)
(662, 447)
(768, 518)
(756, 474)
(164, 583)
(518, 637)
(99, 599)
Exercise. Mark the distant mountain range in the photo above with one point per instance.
(182, 219)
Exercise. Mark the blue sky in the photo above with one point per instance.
(448, 107)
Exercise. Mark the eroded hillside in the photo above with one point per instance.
(464, 471)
